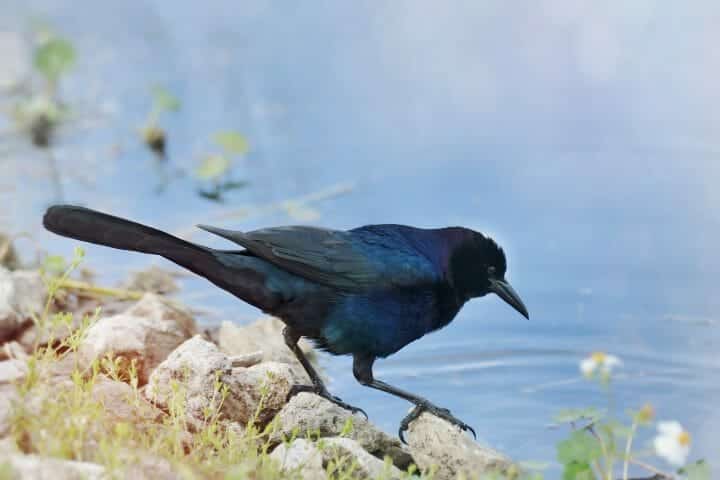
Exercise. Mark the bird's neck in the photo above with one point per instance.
(447, 305)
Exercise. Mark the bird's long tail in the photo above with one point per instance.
(96, 227)
(242, 275)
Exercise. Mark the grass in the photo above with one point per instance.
(61, 416)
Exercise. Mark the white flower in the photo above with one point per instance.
(672, 443)
(599, 361)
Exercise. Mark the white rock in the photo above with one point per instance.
(302, 457)
(33, 467)
(367, 466)
(13, 350)
(22, 295)
(307, 413)
(118, 399)
(333, 455)
(195, 367)
(265, 335)
(8, 397)
(435, 443)
(269, 382)
(12, 370)
(192, 372)
(147, 332)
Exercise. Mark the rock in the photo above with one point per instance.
(143, 466)
(344, 451)
(269, 382)
(8, 397)
(22, 295)
(247, 360)
(12, 370)
(265, 335)
(307, 414)
(8, 256)
(120, 402)
(434, 443)
(195, 367)
(194, 371)
(302, 457)
(34, 466)
(153, 279)
(147, 332)
(330, 456)
(13, 350)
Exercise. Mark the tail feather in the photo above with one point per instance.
(100, 228)
(242, 275)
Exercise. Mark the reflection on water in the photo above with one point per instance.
(599, 179)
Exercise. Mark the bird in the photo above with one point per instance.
(365, 292)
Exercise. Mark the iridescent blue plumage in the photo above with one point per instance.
(365, 292)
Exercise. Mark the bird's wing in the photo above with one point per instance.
(330, 257)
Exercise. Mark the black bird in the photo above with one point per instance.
(365, 292)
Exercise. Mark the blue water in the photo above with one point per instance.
(584, 139)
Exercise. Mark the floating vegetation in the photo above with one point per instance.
(154, 136)
(215, 169)
(40, 113)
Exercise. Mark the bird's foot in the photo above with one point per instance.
(321, 391)
(443, 413)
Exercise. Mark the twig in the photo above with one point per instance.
(249, 212)
(658, 473)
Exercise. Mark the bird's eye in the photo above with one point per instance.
(491, 271)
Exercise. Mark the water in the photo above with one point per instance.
(583, 140)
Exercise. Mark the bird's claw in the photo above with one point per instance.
(443, 413)
(321, 391)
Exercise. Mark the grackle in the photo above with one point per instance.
(365, 292)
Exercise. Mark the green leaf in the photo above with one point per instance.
(579, 447)
(232, 142)
(572, 415)
(213, 166)
(578, 471)
(54, 57)
(699, 470)
(54, 264)
(164, 100)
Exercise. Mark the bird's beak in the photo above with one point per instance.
(503, 290)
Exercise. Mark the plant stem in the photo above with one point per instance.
(652, 469)
(608, 461)
(628, 447)
(69, 284)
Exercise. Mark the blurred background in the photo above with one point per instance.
(581, 135)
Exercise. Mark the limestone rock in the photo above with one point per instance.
(265, 335)
(331, 455)
(302, 457)
(8, 397)
(198, 368)
(147, 332)
(33, 466)
(367, 466)
(269, 382)
(120, 402)
(307, 413)
(435, 443)
(195, 371)
(12, 370)
(22, 295)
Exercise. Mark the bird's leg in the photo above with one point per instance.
(362, 369)
(318, 386)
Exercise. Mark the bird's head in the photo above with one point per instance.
(477, 267)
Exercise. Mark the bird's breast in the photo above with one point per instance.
(381, 323)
